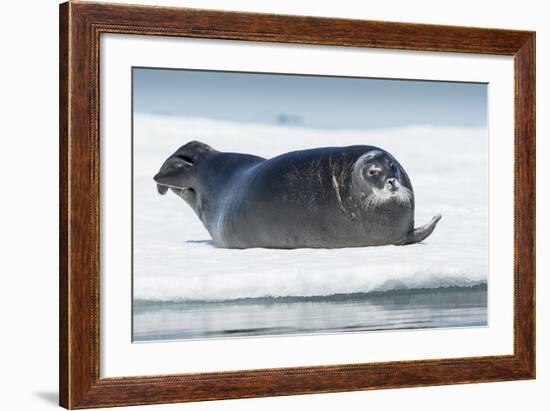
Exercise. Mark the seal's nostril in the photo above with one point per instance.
(392, 184)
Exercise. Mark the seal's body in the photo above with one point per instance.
(319, 198)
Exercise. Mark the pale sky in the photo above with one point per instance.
(317, 101)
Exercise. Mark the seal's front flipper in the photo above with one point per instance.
(419, 234)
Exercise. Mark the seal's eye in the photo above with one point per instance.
(372, 172)
(392, 165)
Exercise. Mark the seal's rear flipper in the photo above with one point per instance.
(172, 173)
(162, 189)
(419, 234)
(167, 179)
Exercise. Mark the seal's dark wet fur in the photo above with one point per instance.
(328, 197)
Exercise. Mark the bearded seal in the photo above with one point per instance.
(330, 197)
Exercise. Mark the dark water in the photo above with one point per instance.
(406, 309)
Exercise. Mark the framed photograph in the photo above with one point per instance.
(259, 205)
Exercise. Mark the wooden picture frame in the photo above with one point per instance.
(80, 27)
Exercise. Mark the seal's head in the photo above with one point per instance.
(177, 172)
(381, 181)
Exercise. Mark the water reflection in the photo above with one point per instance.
(460, 307)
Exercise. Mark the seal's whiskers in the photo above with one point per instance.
(378, 197)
